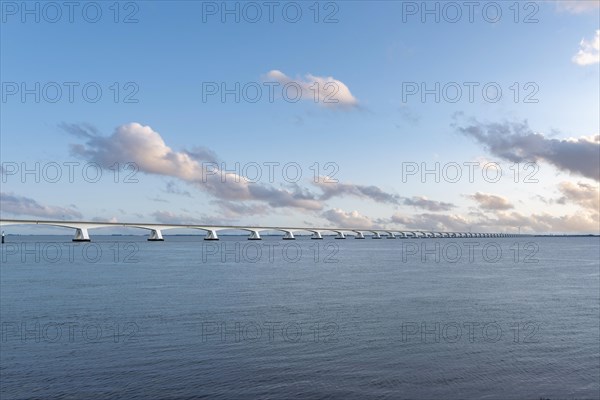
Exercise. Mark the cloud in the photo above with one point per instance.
(233, 210)
(580, 193)
(113, 219)
(436, 222)
(204, 153)
(491, 202)
(499, 221)
(20, 205)
(516, 142)
(430, 205)
(577, 6)
(589, 51)
(143, 146)
(544, 222)
(83, 130)
(295, 197)
(350, 219)
(158, 199)
(168, 217)
(326, 91)
(336, 189)
(408, 115)
(172, 188)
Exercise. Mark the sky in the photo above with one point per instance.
(450, 116)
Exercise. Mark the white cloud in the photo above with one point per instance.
(589, 51)
(578, 6)
(325, 91)
(350, 219)
(168, 217)
(112, 219)
(427, 221)
(139, 144)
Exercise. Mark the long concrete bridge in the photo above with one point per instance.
(155, 230)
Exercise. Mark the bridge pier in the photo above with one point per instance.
(81, 235)
(391, 235)
(376, 235)
(254, 235)
(289, 235)
(316, 235)
(211, 235)
(156, 236)
(359, 235)
(340, 235)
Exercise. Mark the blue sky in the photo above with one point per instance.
(372, 52)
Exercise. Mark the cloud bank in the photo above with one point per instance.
(143, 146)
(516, 142)
(20, 205)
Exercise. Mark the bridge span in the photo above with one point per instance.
(155, 230)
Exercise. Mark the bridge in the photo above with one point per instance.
(155, 230)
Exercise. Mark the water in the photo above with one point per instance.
(173, 320)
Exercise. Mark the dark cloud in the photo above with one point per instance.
(581, 194)
(426, 204)
(516, 142)
(491, 202)
(20, 205)
(204, 154)
(408, 115)
(234, 210)
(158, 199)
(82, 130)
(332, 189)
(172, 188)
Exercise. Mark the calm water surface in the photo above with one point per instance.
(126, 318)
